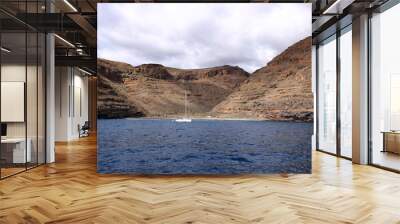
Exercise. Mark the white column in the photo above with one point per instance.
(50, 92)
(360, 90)
(50, 99)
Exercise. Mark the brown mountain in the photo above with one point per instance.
(154, 90)
(279, 91)
(112, 101)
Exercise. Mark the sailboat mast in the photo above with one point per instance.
(185, 103)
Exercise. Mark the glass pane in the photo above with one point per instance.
(346, 94)
(386, 89)
(31, 98)
(327, 96)
(41, 98)
(13, 87)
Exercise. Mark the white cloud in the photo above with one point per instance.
(200, 35)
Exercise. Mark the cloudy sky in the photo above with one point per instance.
(200, 35)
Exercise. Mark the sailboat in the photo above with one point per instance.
(185, 118)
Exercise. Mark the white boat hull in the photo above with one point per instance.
(184, 120)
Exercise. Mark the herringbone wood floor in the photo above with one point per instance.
(70, 191)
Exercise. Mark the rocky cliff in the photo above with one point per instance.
(154, 90)
(112, 101)
(281, 90)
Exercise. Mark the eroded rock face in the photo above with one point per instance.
(154, 90)
(155, 71)
(279, 91)
(113, 104)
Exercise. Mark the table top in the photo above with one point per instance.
(13, 140)
(391, 132)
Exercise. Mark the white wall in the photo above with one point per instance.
(13, 72)
(62, 82)
(71, 94)
(80, 109)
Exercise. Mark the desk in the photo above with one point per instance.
(391, 141)
(19, 155)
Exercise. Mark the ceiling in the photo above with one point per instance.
(75, 21)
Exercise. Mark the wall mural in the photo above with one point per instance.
(204, 88)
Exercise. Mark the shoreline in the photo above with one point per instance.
(208, 119)
(195, 118)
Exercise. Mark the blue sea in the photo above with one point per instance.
(144, 146)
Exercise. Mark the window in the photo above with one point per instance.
(385, 89)
(346, 92)
(327, 95)
(22, 98)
